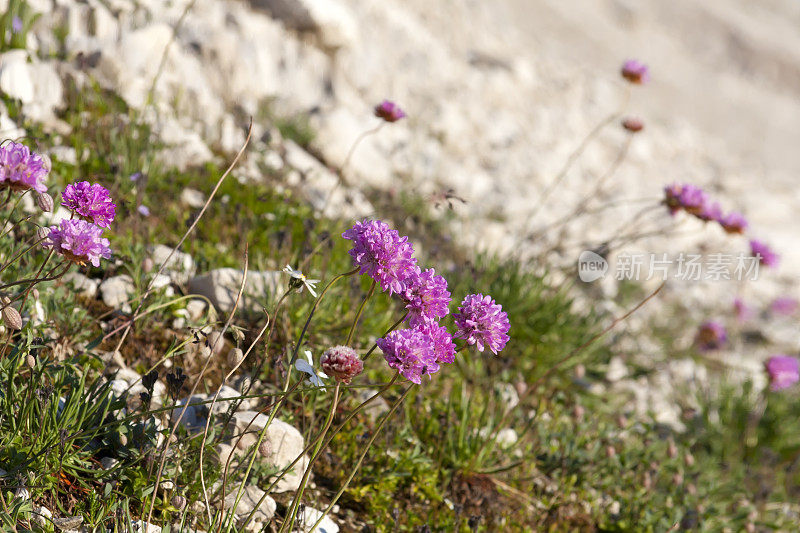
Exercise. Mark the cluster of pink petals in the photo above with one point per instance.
(784, 371)
(482, 322)
(78, 241)
(784, 305)
(711, 336)
(90, 201)
(410, 352)
(379, 252)
(685, 197)
(635, 72)
(342, 363)
(426, 296)
(21, 169)
(765, 254)
(389, 111)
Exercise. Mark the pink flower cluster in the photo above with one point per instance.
(90, 201)
(389, 111)
(420, 349)
(783, 371)
(21, 169)
(80, 240)
(342, 363)
(693, 200)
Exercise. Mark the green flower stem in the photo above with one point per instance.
(359, 312)
(391, 329)
(362, 456)
(308, 322)
(325, 444)
(287, 523)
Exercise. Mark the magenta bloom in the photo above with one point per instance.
(21, 169)
(389, 111)
(785, 305)
(685, 196)
(635, 72)
(382, 254)
(765, 255)
(742, 310)
(710, 212)
(711, 336)
(427, 297)
(441, 341)
(90, 201)
(733, 223)
(783, 371)
(410, 352)
(482, 322)
(78, 241)
(342, 363)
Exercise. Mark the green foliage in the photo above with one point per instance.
(15, 24)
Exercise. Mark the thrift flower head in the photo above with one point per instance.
(444, 349)
(389, 111)
(342, 362)
(409, 351)
(427, 297)
(785, 305)
(784, 371)
(635, 72)
(711, 336)
(710, 212)
(765, 255)
(684, 196)
(90, 201)
(482, 322)
(382, 254)
(78, 241)
(733, 223)
(21, 169)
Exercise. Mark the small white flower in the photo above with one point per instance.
(315, 378)
(299, 280)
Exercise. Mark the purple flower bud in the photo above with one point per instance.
(733, 223)
(16, 24)
(143, 210)
(711, 336)
(765, 254)
(635, 72)
(784, 371)
(342, 363)
(389, 111)
(685, 196)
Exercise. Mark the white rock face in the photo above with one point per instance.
(222, 285)
(117, 290)
(284, 444)
(36, 84)
(180, 268)
(331, 21)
